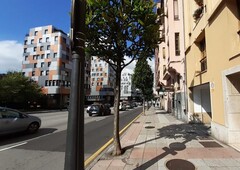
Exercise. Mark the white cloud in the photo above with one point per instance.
(10, 56)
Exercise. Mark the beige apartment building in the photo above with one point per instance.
(212, 49)
(169, 59)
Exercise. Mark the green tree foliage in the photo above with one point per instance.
(143, 79)
(116, 29)
(17, 90)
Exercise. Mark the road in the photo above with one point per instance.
(45, 149)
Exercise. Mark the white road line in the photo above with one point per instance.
(10, 147)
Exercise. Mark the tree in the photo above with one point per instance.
(116, 29)
(17, 90)
(143, 79)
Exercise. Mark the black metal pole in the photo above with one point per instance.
(74, 155)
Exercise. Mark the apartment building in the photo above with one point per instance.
(212, 47)
(128, 91)
(170, 59)
(47, 60)
(102, 82)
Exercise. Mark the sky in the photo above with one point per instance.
(18, 16)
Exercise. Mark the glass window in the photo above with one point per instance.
(55, 38)
(45, 31)
(25, 50)
(32, 41)
(40, 40)
(175, 10)
(49, 64)
(33, 73)
(25, 42)
(35, 65)
(47, 72)
(48, 47)
(177, 45)
(48, 55)
(42, 64)
(47, 39)
(55, 55)
(41, 73)
(34, 48)
(41, 48)
(35, 33)
(26, 58)
(42, 56)
(9, 114)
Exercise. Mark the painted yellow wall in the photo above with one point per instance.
(222, 43)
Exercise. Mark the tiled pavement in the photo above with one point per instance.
(157, 140)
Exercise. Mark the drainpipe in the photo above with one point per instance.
(185, 66)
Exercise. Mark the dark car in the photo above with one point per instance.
(99, 109)
(12, 121)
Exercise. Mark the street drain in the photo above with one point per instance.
(150, 127)
(211, 144)
(147, 122)
(136, 122)
(179, 164)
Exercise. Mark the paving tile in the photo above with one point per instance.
(213, 162)
(137, 153)
(197, 162)
(230, 162)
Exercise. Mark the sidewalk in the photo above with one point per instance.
(158, 140)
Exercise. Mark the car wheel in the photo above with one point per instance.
(90, 114)
(33, 127)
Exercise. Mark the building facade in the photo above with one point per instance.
(102, 82)
(170, 59)
(212, 47)
(128, 91)
(47, 60)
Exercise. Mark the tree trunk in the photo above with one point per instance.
(117, 150)
(143, 105)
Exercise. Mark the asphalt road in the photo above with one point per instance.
(45, 149)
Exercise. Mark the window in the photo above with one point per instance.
(35, 65)
(203, 61)
(34, 57)
(41, 48)
(41, 73)
(47, 39)
(48, 47)
(49, 64)
(55, 55)
(38, 57)
(32, 41)
(42, 64)
(164, 52)
(64, 40)
(48, 55)
(45, 31)
(26, 58)
(42, 56)
(175, 10)
(177, 45)
(40, 40)
(63, 64)
(55, 38)
(46, 82)
(100, 69)
(35, 33)
(47, 72)
(25, 42)
(33, 73)
(34, 48)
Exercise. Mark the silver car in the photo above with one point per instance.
(12, 121)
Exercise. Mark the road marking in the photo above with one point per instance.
(10, 147)
(99, 151)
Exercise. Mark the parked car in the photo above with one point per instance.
(99, 109)
(129, 105)
(122, 106)
(12, 121)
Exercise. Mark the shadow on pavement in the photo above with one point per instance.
(187, 132)
(21, 136)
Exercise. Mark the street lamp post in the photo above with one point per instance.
(74, 155)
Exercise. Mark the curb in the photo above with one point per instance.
(99, 151)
